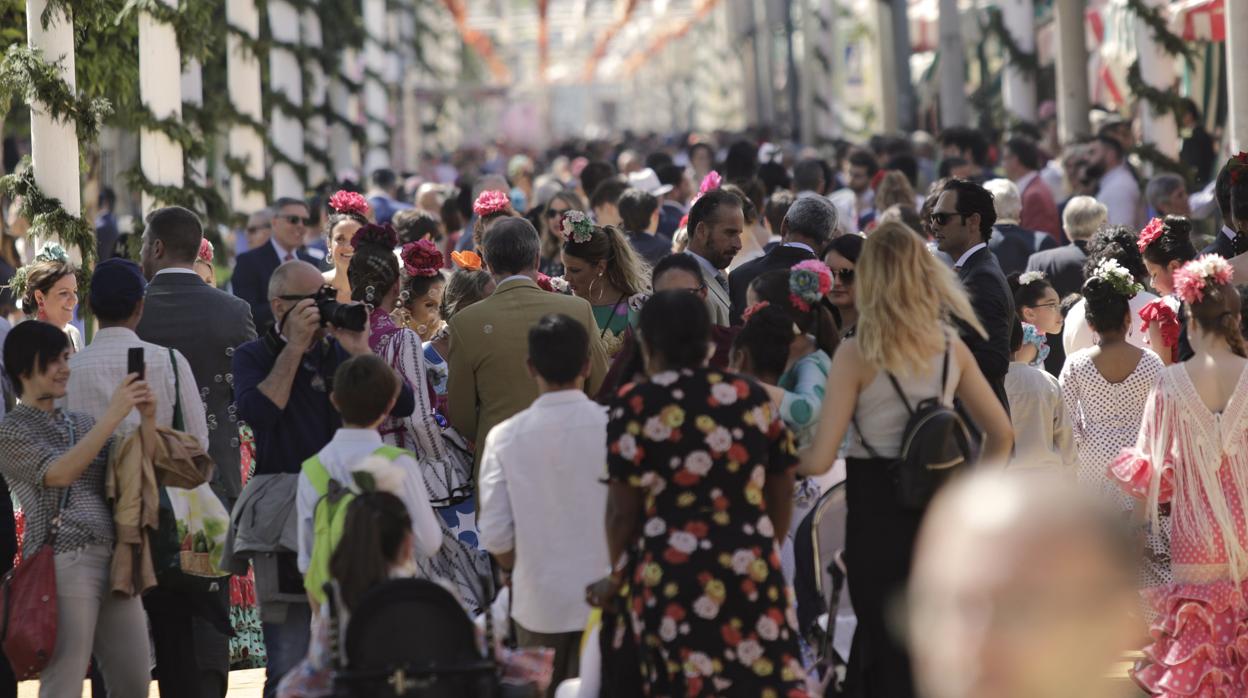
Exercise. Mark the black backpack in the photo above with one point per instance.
(935, 445)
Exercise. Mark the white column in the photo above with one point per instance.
(1072, 70)
(193, 93)
(1158, 70)
(285, 130)
(315, 135)
(243, 75)
(952, 67)
(376, 101)
(822, 73)
(53, 142)
(885, 69)
(1019, 88)
(160, 89)
(343, 149)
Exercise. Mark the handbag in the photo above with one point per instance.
(29, 603)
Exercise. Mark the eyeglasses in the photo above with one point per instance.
(296, 220)
(1050, 304)
(845, 275)
(939, 218)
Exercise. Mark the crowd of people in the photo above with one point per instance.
(595, 392)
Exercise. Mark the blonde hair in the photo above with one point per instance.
(904, 297)
(893, 189)
(626, 270)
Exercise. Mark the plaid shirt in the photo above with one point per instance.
(30, 441)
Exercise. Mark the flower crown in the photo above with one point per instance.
(575, 226)
(205, 251)
(1237, 166)
(383, 235)
(467, 260)
(808, 282)
(344, 201)
(1155, 229)
(1118, 278)
(421, 258)
(491, 202)
(1191, 280)
(1030, 277)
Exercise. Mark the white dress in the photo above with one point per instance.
(1106, 418)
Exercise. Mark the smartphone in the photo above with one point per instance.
(135, 363)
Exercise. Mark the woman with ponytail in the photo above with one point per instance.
(1192, 453)
(445, 464)
(1166, 246)
(601, 266)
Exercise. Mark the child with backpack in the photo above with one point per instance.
(364, 391)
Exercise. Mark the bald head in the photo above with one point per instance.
(1021, 586)
(294, 278)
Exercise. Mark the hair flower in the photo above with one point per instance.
(749, 312)
(466, 260)
(808, 282)
(1118, 278)
(710, 182)
(344, 201)
(491, 202)
(372, 233)
(1191, 280)
(1030, 277)
(575, 226)
(1150, 233)
(1236, 166)
(52, 252)
(205, 251)
(421, 258)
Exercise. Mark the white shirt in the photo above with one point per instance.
(282, 251)
(97, 370)
(175, 270)
(1043, 437)
(1121, 195)
(541, 497)
(340, 456)
(801, 246)
(1077, 335)
(967, 255)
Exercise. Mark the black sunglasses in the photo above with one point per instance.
(845, 275)
(323, 289)
(296, 220)
(555, 213)
(942, 217)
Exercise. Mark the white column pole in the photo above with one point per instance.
(160, 89)
(1072, 70)
(1158, 70)
(243, 74)
(952, 66)
(1019, 88)
(885, 69)
(343, 148)
(54, 142)
(376, 101)
(1237, 73)
(315, 135)
(193, 93)
(285, 131)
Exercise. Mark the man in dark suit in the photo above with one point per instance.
(1010, 242)
(1228, 242)
(1063, 266)
(962, 222)
(205, 324)
(807, 227)
(250, 280)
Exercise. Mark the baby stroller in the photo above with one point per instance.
(822, 601)
(410, 637)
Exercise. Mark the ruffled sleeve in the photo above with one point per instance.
(1167, 321)
(1133, 471)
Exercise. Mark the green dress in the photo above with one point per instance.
(613, 320)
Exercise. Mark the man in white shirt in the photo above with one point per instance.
(542, 503)
(1118, 189)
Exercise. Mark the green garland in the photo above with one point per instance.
(1147, 152)
(1161, 101)
(1025, 61)
(1170, 42)
(49, 219)
(238, 168)
(26, 75)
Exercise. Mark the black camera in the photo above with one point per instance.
(347, 316)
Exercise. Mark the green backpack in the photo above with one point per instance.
(329, 518)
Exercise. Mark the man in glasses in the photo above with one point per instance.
(290, 223)
(961, 222)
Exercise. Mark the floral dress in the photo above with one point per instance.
(708, 602)
(445, 463)
(1197, 460)
(247, 645)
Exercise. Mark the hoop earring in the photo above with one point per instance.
(591, 288)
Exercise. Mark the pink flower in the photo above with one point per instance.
(491, 202)
(1192, 278)
(205, 251)
(421, 258)
(710, 182)
(1150, 233)
(344, 201)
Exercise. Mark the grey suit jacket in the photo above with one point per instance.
(718, 302)
(205, 324)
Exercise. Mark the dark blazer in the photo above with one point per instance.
(1222, 246)
(250, 280)
(205, 324)
(1062, 265)
(994, 306)
(781, 257)
(1013, 244)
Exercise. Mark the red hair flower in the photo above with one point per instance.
(749, 312)
(205, 251)
(372, 233)
(491, 202)
(1150, 233)
(421, 258)
(344, 201)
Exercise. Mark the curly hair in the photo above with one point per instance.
(1174, 243)
(625, 269)
(1105, 307)
(373, 272)
(1116, 242)
(41, 276)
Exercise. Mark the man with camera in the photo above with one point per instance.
(282, 382)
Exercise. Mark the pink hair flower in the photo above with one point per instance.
(1191, 280)
(710, 182)
(205, 251)
(1150, 233)
(421, 258)
(491, 202)
(808, 282)
(344, 201)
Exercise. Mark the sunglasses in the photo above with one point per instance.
(324, 289)
(845, 275)
(555, 213)
(941, 217)
(297, 220)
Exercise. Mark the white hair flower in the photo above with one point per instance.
(1029, 277)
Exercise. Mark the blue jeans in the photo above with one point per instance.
(286, 644)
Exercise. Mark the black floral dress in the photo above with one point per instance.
(709, 605)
